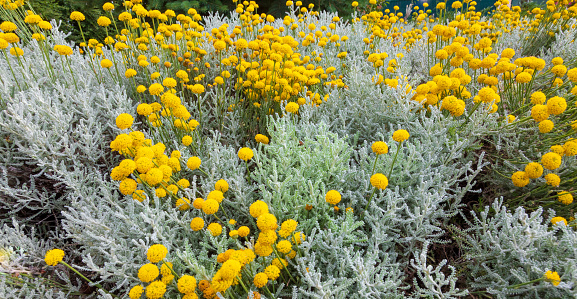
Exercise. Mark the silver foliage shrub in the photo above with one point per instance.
(506, 248)
(60, 136)
(54, 136)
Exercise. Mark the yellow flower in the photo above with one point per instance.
(215, 229)
(136, 292)
(186, 284)
(243, 231)
(15, 51)
(130, 73)
(53, 257)
(355, 4)
(245, 154)
(556, 105)
(193, 163)
(558, 219)
(63, 50)
(154, 176)
(127, 186)
(77, 16)
(258, 208)
(260, 280)
(534, 170)
(210, 206)
(546, 126)
(197, 224)
(400, 136)
(187, 140)
(155, 290)
(156, 253)
(148, 272)
(103, 21)
(197, 203)
(261, 139)
(333, 197)
(553, 277)
(216, 195)
(380, 148)
(11, 38)
(284, 246)
(565, 197)
(539, 113)
(520, 179)
(553, 180)
(183, 204)
(523, 77)
(124, 121)
(266, 221)
(551, 161)
(221, 185)
(379, 180)
(7, 26)
(108, 6)
(272, 272)
(106, 63)
(155, 89)
(292, 107)
(299, 237)
(169, 82)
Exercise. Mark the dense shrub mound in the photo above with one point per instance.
(385, 154)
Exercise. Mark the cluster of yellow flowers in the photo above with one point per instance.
(238, 267)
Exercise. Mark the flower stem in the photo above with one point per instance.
(85, 278)
(395, 159)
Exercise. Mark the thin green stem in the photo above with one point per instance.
(395, 159)
(85, 278)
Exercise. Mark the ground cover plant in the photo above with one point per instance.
(383, 154)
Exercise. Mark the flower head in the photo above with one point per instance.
(551, 161)
(260, 280)
(243, 231)
(124, 121)
(260, 138)
(258, 208)
(557, 220)
(108, 6)
(272, 272)
(193, 163)
(53, 257)
(156, 253)
(155, 290)
(333, 197)
(379, 180)
(215, 229)
(565, 197)
(197, 224)
(380, 148)
(136, 292)
(186, 284)
(534, 170)
(103, 21)
(148, 272)
(77, 16)
(520, 179)
(553, 180)
(292, 107)
(245, 154)
(210, 206)
(221, 185)
(400, 135)
(552, 277)
(266, 221)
